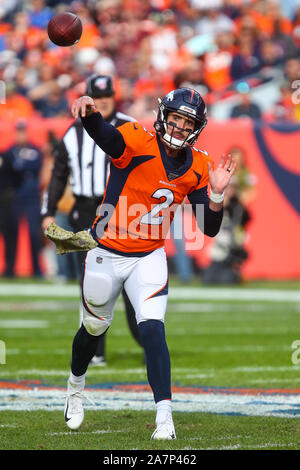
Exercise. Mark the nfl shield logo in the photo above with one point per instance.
(99, 259)
(172, 176)
(101, 83)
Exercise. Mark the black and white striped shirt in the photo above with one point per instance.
(83, 161)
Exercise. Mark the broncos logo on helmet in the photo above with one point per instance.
(187, 102)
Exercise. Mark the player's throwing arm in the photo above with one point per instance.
(83, 106)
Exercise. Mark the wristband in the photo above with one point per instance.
(217, 198)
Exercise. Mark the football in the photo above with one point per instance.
(65, 29)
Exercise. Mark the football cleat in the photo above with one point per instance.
(74, 412)
(165, 430)
(98, 361)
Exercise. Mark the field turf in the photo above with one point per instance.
(243, 339)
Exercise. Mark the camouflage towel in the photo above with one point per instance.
(68, 242)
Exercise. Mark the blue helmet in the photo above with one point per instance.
(187, 102)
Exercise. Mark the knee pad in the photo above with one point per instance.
(97, 288)
(94, 326)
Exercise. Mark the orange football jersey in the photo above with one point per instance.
(143, 191)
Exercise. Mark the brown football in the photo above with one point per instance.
(65, 29)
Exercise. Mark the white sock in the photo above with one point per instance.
(163, 411)
(77, 382)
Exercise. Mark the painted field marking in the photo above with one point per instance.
(257, 306)
(9, 425)
(220, 438)
(218, 402)
(15, 323)
(258, 446)
(269, 381)
(33, 352)
(71, 433)
(216, 331)
(32, 305)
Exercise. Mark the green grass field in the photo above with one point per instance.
(241, 338)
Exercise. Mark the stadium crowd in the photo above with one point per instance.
(150, 48)
(222, 48)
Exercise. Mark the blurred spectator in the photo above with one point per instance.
(8, 183)
(268, 54)
(193, 77)
(39, 14)
(25, 160)
(217, 63)
(244, 179)
(63, 268)
(270, 19)
(91, 36)
(16, 105)
(214, 21)
(246, 61)
(282, 38)
(296, 29)
(22, 81)
(245, 108)
(54, 104)
(147, 89)
(291, 71)
(286, 109)
(228, 252)
(160, 46)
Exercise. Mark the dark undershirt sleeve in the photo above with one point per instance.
(106, 136)
(212, 220)
(58, 182)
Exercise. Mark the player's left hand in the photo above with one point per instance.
(220, 177)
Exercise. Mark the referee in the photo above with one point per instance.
(77, 156)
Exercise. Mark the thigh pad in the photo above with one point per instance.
(97, 288)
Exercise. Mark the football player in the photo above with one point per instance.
(151, 173)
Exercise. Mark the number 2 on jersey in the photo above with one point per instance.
(152, 217)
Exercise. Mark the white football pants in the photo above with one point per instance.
(145, 280)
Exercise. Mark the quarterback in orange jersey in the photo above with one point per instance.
(149, 188)
(150, 175)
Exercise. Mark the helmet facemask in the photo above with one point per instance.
(161, 126)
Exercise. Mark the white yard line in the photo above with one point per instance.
(173, 306)
(71, 433)
(9, 425)
(295, 380)
(198, 349)
(175, 293)
(194, 372)
(32, 305)
(15, 323)
(250, 447)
